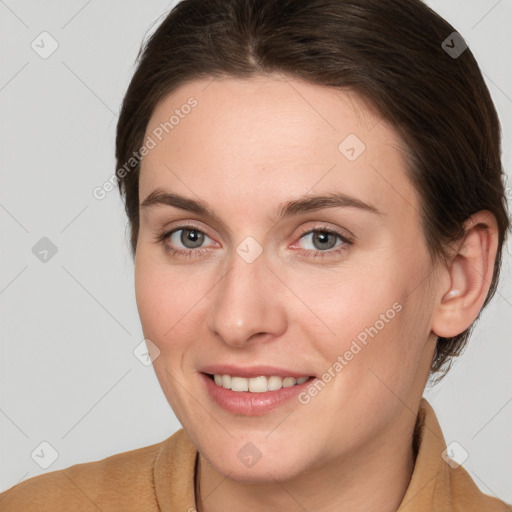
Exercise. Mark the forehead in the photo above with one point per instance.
(272, 136)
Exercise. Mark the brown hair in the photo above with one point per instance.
(391, 53)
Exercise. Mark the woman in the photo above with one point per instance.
(317, 214)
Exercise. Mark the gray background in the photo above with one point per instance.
(69, 325)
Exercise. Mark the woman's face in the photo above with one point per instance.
(258, 277)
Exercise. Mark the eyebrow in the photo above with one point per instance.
(290, 208)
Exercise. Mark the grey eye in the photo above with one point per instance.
(321, 240)
(189, 238)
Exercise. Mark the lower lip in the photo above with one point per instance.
(251, 404)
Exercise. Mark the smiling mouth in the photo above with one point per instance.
(260, 384)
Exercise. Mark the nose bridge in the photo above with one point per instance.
(242, 304)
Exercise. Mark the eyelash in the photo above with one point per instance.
(161, 238)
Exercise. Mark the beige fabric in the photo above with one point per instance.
(161, 478)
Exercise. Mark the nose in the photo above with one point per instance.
(246, 305)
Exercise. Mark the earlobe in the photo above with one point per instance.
(470, 275)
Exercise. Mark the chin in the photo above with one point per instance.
(257, 462)
(263, 471)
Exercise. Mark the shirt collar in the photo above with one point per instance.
(429, 485)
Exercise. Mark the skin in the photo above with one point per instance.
(248, 146)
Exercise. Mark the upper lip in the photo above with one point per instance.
(252, 371)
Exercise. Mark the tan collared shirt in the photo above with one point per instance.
(161, 478)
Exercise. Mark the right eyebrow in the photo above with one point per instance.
(163, 198)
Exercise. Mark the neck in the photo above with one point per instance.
(374, 478)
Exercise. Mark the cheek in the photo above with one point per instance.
(167, 300)
(392, 358)
(371, 318)
(346, 303)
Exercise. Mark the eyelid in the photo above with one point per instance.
(343, 233)
(170, 228)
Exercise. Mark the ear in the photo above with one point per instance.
(469, 276)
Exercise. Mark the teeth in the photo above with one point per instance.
(256, 384)
(226, 381)
(275, 383)
(239, 384)
(288, 382)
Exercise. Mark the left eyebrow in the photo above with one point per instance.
(318, 202)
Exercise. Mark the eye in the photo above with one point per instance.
(323, 242)
(184, 241)
(320, 240)
(190, 238)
